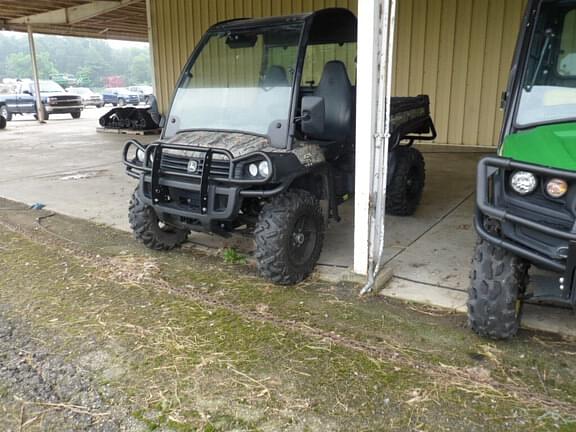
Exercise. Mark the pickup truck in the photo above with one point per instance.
(120, 97)
(21, 100)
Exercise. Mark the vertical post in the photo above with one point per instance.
(39, 105)
(376, 45)
(151, 46)
(366, 109)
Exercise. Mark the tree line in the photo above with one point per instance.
(82, 61)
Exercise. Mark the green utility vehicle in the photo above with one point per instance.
(526, 197)
(260, 138)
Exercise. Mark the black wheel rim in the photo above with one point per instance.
(303, 240)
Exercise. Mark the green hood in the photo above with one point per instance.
(552, 146)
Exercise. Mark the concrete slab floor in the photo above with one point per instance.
(66, 165)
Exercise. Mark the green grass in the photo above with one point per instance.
(237, 363)
(232, 256)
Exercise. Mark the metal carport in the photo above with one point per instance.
(174, 26)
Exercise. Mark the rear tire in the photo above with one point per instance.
(149, 230)
(404, 192)
(497, 283)
(76, 114)
(289, 237)
(5, 113)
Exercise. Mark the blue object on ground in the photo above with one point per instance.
(37, 206)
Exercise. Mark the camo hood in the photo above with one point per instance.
(241, 144)
(238, 144)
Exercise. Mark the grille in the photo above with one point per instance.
(219, 168)
(65, 102)
(186, 200)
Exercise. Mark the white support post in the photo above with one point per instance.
(366, 107)
(39, 105)
(151, 46)
(375, 57)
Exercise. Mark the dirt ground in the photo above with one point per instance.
(99, 334)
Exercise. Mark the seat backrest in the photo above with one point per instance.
(337, 91)
(275, 77)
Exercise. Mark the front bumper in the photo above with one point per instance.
(209, 197)
(54, 109)
(92, 102)
(540, 243)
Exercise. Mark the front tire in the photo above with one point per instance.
(121, 102)
(404, 192)
(497, 283)
(5, 113)
(2, 122)
(149, 230)
(76, 114)
(289, 237)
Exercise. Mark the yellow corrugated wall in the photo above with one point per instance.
(457, 51)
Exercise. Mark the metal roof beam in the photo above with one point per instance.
(74, 14)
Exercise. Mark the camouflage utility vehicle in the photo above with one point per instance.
(526, 197)
(260, 136)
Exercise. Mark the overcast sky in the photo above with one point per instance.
(113, 43)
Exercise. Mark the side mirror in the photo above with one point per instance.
(313, 116)
(28, 92)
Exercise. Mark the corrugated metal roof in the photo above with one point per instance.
(127, 22)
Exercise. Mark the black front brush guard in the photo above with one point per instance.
(485, 209)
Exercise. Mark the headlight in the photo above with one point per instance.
(556, 188)
(264, 168)
(52, 99)
(523, 182)
(259, 169)
(253, 169)
(141, 155)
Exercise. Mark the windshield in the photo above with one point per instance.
(548, 92)
(50, 87)
(241, 81)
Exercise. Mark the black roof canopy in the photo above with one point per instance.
(333, 25)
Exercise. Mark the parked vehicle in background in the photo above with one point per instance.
(144, 92)
(55, 100)
(89, 98)
(120, 96)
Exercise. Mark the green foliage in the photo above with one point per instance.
(89, 61)
(232, 256)
(19, 65)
